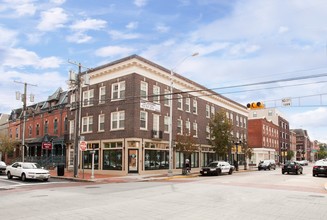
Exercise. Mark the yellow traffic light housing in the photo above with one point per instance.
(255, 105)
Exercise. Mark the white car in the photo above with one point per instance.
(25, 170)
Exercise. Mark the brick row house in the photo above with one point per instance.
(46, 130)
(303, 145)
(265, 147)
(125, 118)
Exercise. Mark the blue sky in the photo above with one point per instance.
(239, 42)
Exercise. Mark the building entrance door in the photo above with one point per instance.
(133, 161)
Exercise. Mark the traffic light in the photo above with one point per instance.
(255, 105)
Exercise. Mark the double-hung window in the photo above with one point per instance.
(118, 120)
(144, 90)
(167, 98)
(207, 111)
(187, 127)
(144, 120)
(102, 95)
(118, 90)
(101, 122)
(87, 124)
(88, 97)
(195, 129)
(188, 104)
(156, 94)
(166, 121)
(195, 107)
(179, 126)
(55, 126)
(180, 102)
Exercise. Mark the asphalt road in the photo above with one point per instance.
(243, 195)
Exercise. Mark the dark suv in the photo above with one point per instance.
(292, 167)
(267, 165)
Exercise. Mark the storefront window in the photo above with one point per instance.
(208, 158)
(156, 159)
(112, 160)
(87, 159)
(180, 159)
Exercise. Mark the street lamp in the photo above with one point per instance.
(170, 170)
(236, 145)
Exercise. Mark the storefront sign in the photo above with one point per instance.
(47, 145)
(150, 106)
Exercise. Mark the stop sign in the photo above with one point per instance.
(82, 145)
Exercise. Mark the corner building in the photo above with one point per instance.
(125, 118)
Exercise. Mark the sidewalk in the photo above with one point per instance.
(86, 177)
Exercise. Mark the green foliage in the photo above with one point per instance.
(221, 133)
(322, 152)
(7, 145)
(290, 155)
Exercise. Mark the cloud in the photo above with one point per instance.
(52, 19)
(162, 28)
(79, 38)
(314, 118)
(21, 7)
(58, 2)
(132, 25)
(123, 36)
(18, 58)
(140, 3)
(114, 51)
(89, 24)
(8, 37)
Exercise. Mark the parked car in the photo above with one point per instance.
(303, 162)
(217, 168)
(320, 167)
(25, 170)
(2, 167)
(292, 167)
(267, 165)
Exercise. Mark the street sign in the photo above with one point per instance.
(287, 101)
(47, 145)
(83, 145)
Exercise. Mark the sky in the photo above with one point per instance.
(249, 50)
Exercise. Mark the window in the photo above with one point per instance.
(166, 121)
(187, 127)
(179, 126)
(37, 130)
(167, 98)
(180, 102)
(195, 129)
(16, 133)
(101, 123)
(118, 120)
(144, 120)
(156, 122)
(212, 110)
(144, 90)
(245, 122)
(254, 114)
(102, 95)
(88, 97)
(66, 124)
(55, 126)
(118, 90)
(156, 94)
(207, 111)
(187, 104)
(72, 98)
(30, 131)
(208, 132)
(237, 121)
(87, 123)
(195, 107)
(46, 125)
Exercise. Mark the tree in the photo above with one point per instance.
(322, 152)
(221, 133)
(186, 144)
(290, 155)
(7, 145)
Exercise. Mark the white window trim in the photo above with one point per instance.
(99, 129)
(166, 122)
(146, 90)
(88, 95)
(156, 94)
(180, 102)
(88, 125)
(188, 104)
(121, 87)
(146, 120)
(119, 114)
(102, 89)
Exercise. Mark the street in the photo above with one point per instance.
(242, 195)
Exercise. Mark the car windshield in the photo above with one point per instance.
(2, 163)
(213, 164)
(321, 163)
(31, 166)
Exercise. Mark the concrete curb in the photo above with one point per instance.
(325, 186)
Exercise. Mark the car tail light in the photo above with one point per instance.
(295, 166)
(315, 167)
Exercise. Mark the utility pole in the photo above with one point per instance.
(77, 81)
(23, 96)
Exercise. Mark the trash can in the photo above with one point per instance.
(60, 170)
(184, 171)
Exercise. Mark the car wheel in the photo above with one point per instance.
(45, 180)
(313, 174)
(9, 175)
(23, 177)
(230, 172)
(218, 172)
(297, 172)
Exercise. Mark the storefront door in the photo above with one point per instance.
(133, 161)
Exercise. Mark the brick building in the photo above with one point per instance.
(45, 129)
(263, 139)
(125, 118)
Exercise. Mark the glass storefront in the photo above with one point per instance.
(87, 159)
(156, 159)
(180, 159)
(112, 157)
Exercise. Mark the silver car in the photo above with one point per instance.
(2, 167)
